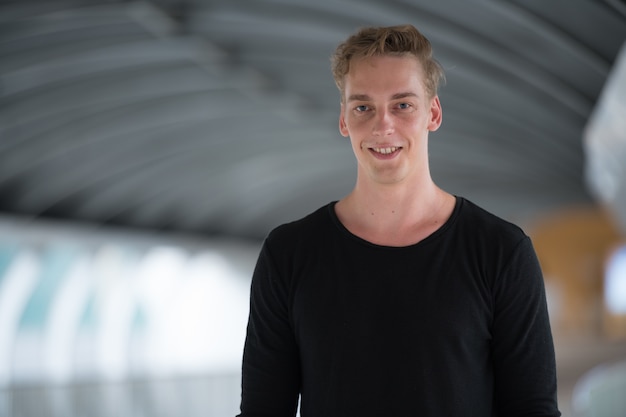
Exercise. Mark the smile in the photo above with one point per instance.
(386, 151)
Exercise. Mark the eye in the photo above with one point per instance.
(404, 106)
(362, 108)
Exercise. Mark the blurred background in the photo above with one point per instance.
(147, 147)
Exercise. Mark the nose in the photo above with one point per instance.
(383, 124)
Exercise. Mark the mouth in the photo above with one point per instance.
(386, 151)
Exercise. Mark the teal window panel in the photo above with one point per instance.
(140, 319)
(56, 262)
(7, 253)
(89, 318)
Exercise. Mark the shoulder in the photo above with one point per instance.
(295, 244)
(486, 225)
(306, 229)
(488, 236)
(503, 249)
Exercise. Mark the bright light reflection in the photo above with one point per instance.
(16, 286)
(120, 312)
(62, 325)
(615, 282)
(208, 318)
(197, 310)
(114, 308)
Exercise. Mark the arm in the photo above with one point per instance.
(271, 366)
(522, 346)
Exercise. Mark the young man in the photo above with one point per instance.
(400, 299)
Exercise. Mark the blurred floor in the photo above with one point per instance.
(218, 395)
(577, 355)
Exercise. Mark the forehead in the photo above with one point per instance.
(384, 74)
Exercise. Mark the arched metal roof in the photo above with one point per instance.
(220, 117)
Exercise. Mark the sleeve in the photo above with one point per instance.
(522, 345)
(271, 368)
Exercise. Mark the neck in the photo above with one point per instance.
(395, 215)
(394, 204)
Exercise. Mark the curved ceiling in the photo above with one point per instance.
(220, 117)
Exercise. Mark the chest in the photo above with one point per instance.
(401, 298)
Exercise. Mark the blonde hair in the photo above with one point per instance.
(391, 40)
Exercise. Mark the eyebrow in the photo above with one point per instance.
(365, 97)
(403, 95)
(359, 97)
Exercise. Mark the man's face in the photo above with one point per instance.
(387, 114)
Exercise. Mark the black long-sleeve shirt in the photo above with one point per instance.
(455, 325)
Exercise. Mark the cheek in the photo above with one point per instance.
(357, 148)
(358, 123)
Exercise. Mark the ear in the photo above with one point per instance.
(436, 114)
(343, 129)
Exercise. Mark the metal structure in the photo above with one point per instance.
(220, 117)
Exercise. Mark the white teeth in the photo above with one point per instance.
(386, 151)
